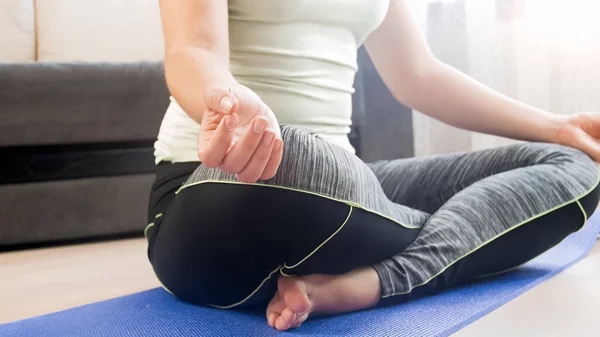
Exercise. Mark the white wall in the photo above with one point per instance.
(544, 53)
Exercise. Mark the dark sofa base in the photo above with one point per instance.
(76, 156)
(73, 209)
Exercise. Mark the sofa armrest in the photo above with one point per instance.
(81, 102)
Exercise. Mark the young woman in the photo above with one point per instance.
(259, 198)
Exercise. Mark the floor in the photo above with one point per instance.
(45, 280)
(566, 305)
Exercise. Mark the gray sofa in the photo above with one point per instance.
(76, 145)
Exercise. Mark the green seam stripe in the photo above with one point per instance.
(280, 269)
(347, 202)
(503, 233)
(351, 204)
(323, 243)
(585, 217)
(585, 220)
(247, 297)
(162, 285)
(147, 228)
(167, 289)
(159, 215)
(284, 274)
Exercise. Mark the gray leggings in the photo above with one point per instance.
(424, 224)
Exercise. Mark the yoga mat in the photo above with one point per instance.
(156, 313)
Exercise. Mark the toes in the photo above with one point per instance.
(298, 301)
(272, 318)
(294, 294)
(290, 306)
(299, 320)
(285, 320)
(274, 309)
(276, 305)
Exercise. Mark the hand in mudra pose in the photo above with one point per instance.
(582, 131)
(239, 134)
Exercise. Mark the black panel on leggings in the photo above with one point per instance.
(514, 248)
(169, 178)
(218, 242)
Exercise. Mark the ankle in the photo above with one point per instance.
(355, 290)
(317, 286)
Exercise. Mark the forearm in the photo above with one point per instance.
(189, 71)
(456, 99)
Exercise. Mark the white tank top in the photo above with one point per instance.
(299, 56)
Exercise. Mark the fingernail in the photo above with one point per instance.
(260, 125)
(230, 122)
(268, 139)
(226, 103)
(278, 145)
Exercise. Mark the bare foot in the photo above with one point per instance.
(291, 305)
(299, 297)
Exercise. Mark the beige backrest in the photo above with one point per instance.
(17, 33)
(80, 31)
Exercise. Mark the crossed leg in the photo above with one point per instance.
(357, 236)
(491, 211)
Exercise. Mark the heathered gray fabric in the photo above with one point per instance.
(460, 201)
(474, 198)
(312, 164)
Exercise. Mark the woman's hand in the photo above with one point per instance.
(239, 134)
(582, 131)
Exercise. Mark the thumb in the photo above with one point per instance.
(221, 99)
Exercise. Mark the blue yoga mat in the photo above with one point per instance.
(156, 313)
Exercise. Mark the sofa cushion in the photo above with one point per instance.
(81, 102)
(17, 32)
(103, 31)
(73, 209)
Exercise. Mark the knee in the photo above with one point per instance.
(303, 151)
(572, 172)
(574, 162)
(209, 272)
(188, 272)
(582, 174)
(312, 164)
(543, 153)
(203, 252)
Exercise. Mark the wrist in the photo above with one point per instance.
(554, 128)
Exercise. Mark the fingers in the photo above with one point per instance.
(240, 154)
(219, 146)
(221, 99)
(256, 155)
(590, 123)
(212, 151)
(589, 145)
(254, 170)
(273, 164)
(268, 113)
